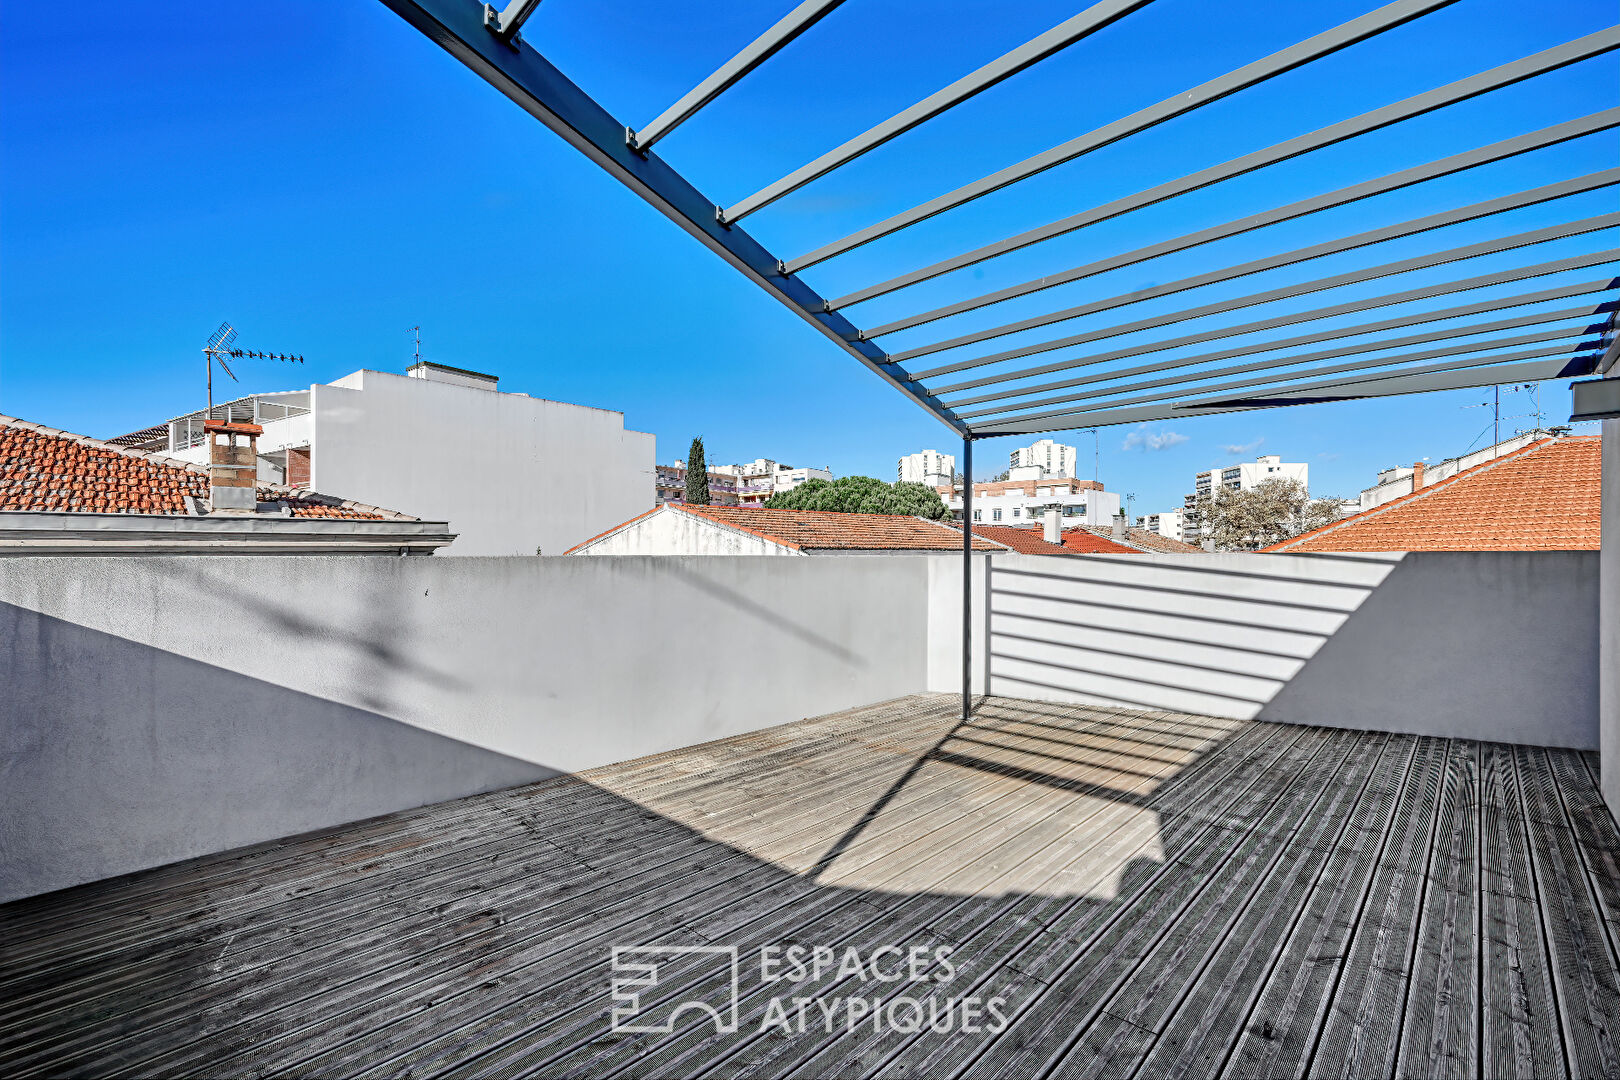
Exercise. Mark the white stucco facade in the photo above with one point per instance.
(668, 531)
(512, 473)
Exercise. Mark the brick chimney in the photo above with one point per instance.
(1417, 475)
(233, 466)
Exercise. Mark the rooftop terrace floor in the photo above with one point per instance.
(1149, 894)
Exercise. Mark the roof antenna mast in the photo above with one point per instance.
(219, 347)
(417, 330)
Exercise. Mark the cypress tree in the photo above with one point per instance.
(697, 475)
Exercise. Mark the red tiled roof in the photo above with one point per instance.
(821, 529)
(1025, 541)
(1146, 540)
(1086, 542)
(1542, 497)
(42, 469)
(824, 529)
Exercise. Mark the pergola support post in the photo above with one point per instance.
(967, 577)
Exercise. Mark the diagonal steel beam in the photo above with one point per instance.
(1447, 166)
(1061, 36)
(1179, 388)
(1452, 93)
(1337, 334)
(1584, 312)
(1402, 266)
(1314, 48)
(1447, 378)
(758, 51)
(1501, 277)
(527, 78)
(1415, 227)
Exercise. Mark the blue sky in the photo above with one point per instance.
(324, 177)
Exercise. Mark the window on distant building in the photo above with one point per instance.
(995, 515)
(978, 515)
(1016, 511)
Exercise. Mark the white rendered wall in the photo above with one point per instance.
(1483, 645)
(163, 708)
(671, 532)
(1609, 619)
(510, 473)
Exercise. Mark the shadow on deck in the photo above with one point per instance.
(1116, 892)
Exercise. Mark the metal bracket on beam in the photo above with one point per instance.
(506, 22)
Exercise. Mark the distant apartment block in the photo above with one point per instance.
(442, 444)
(1043, 460)
(1239, 477)
(737, 485)
(1168, 524)
(928, 467)
(1025, 502)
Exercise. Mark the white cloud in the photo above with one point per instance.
(1243, 448)
(1143, 439)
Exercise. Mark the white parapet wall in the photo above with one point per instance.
(1484, 645)
(1609, 630)
(162, 708)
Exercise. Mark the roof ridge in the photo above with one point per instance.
(778, 540)
(1414, 496)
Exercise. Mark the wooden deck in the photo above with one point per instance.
(1147, 894)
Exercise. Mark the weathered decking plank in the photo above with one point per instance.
(1519, 1035)
(1583, 972)
(1154, 894)
(1440, 1021)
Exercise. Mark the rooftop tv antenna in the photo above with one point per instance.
(417, 330)
(219, 347)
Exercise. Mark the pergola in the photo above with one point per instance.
(1075, 379)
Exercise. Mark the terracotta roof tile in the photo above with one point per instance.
(824, 530)
(42, 469)
(1146, 540)
(1084, 541)
(1025, 541)
(1543, 497)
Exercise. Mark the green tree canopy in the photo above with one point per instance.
(697, 475)
(862, 495)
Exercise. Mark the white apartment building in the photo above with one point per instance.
(1239, 477)
(928, 467)
(510, 472)
(761, 478)
(1024, 502)
(1042, 460)
(1168, 523)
